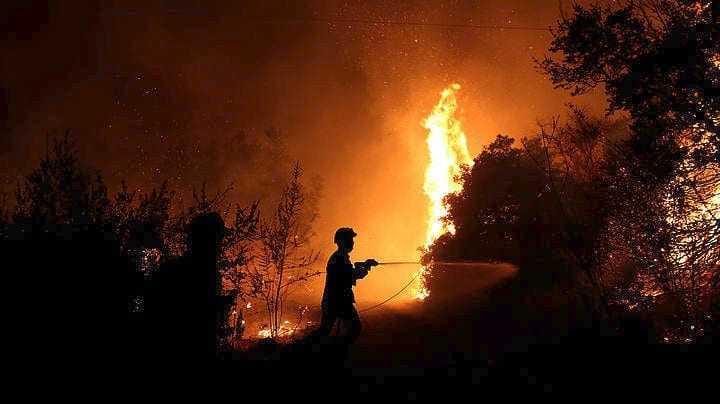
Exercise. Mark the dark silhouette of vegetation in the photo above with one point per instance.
(658, 61)
(61, 191)
(284, 256)
(626, 211)
(142, 263)
(141, 221)
(522, 203)
(71, 281)
(540, 205)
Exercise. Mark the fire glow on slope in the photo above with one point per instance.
(447, 146)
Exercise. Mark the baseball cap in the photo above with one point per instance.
(344, 233)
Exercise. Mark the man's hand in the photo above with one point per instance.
(370, 263)
(363, 267)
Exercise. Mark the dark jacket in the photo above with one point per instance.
(339, 280)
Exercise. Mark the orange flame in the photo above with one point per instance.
(448, 150)
(286, 329)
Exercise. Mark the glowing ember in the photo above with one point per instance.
(448, 150)
(285, 330)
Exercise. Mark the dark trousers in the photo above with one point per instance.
(348, 316)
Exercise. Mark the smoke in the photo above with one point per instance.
(195, 92)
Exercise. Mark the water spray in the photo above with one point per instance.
(399, 263)
(444, 263)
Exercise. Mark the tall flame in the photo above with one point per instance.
(448, 150)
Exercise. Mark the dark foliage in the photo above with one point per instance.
(98, 259)
(627, 214)
(141, 221)
(659, 62)
(540, 205)
(61, 191)
(503, 199)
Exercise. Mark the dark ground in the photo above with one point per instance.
(484, 329)
(489, 333)
(486, 333)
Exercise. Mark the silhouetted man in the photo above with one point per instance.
(185, 307)
(338, 299)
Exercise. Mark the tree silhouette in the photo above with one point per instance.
(61, 191)
(659, 62)
(284, 255)
(538, 204)
(141, 221)
(62, 197)
(495, 209)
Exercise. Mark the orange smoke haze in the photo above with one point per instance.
(185, 94)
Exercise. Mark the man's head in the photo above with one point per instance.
(344, 238)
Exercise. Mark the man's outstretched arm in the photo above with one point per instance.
(361, 269)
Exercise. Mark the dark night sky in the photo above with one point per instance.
(185, 90)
